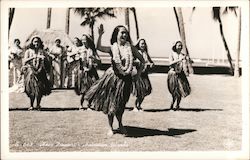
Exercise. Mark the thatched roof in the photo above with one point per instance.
(48, 37)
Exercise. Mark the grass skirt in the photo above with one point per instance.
(83, 81)
(36, 84)
(111, 92)
(178, 84)
(142, 86)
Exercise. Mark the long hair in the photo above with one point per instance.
(31, 45)
(79, 43)
(90, 42)
(115, 33)
(138, 44)
(174, 47)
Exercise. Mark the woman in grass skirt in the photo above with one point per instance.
(141, 85)
(85, 76)
(72, 62)
(178, 84)
(36, 65)
(15, 63)
(111, 92)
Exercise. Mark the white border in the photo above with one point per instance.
(5, 154)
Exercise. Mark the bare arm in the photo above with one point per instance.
(101, 48)
(139, 56)
(26, 57)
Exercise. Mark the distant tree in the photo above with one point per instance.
(67, 21)
(127, 22)
(11, 16)
(237, 67)
(217, 17)
(179, 17)
(48, 18)
(91, 15)
(136, 22)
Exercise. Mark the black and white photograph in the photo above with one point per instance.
(124, 79)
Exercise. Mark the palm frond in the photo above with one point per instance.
(232, 9)
(216, 13)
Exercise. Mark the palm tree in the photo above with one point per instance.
(91, 15)
(136, 22)
(11, 16)
(48, 18)
(236, 67)
(127, 19)
(67, 21)
(178, 14)
(217, 17)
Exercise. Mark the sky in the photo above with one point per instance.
(157, 25)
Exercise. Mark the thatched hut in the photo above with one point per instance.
(48, 37)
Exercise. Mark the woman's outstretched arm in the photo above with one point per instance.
(100, 47)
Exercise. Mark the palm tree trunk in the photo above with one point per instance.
(48, 18)
(11, 16)
(92, 32)
(226, 46)
(136, 23)
(178, 14)
(237, 68)
(67, 21)
(127, 19)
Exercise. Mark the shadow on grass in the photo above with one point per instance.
(46, 109)
(182, 109)
(144, 132)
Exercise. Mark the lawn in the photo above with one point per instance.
(210, 119)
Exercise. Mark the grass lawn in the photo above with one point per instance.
(209, 119)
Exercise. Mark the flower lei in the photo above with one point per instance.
(120, 52)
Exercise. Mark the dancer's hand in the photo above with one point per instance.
(101, 30)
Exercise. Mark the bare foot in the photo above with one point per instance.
(31, 108)
(110, 133)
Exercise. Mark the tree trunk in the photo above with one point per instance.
(92, 32)
(136, 23)
(226, 46)
(178, 14)
(127, 19)
(67, 21)
(236, 67)
(11, 16)
(48, 18)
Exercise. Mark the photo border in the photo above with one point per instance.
(6, 154)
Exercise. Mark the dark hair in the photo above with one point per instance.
(90, 42)
(31, 46)
(115, 33)
(138, 44)
(58, 40)
(79, 43)
(174, 47)
(16, 40)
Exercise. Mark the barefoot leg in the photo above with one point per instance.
(111, 119)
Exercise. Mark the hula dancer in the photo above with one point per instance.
(72, 62)
(141, 85)
(111, 92)
(35, 66)
(84, 77)
(15, 63)
(178, 84)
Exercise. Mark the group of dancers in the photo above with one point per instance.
(127, 75)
